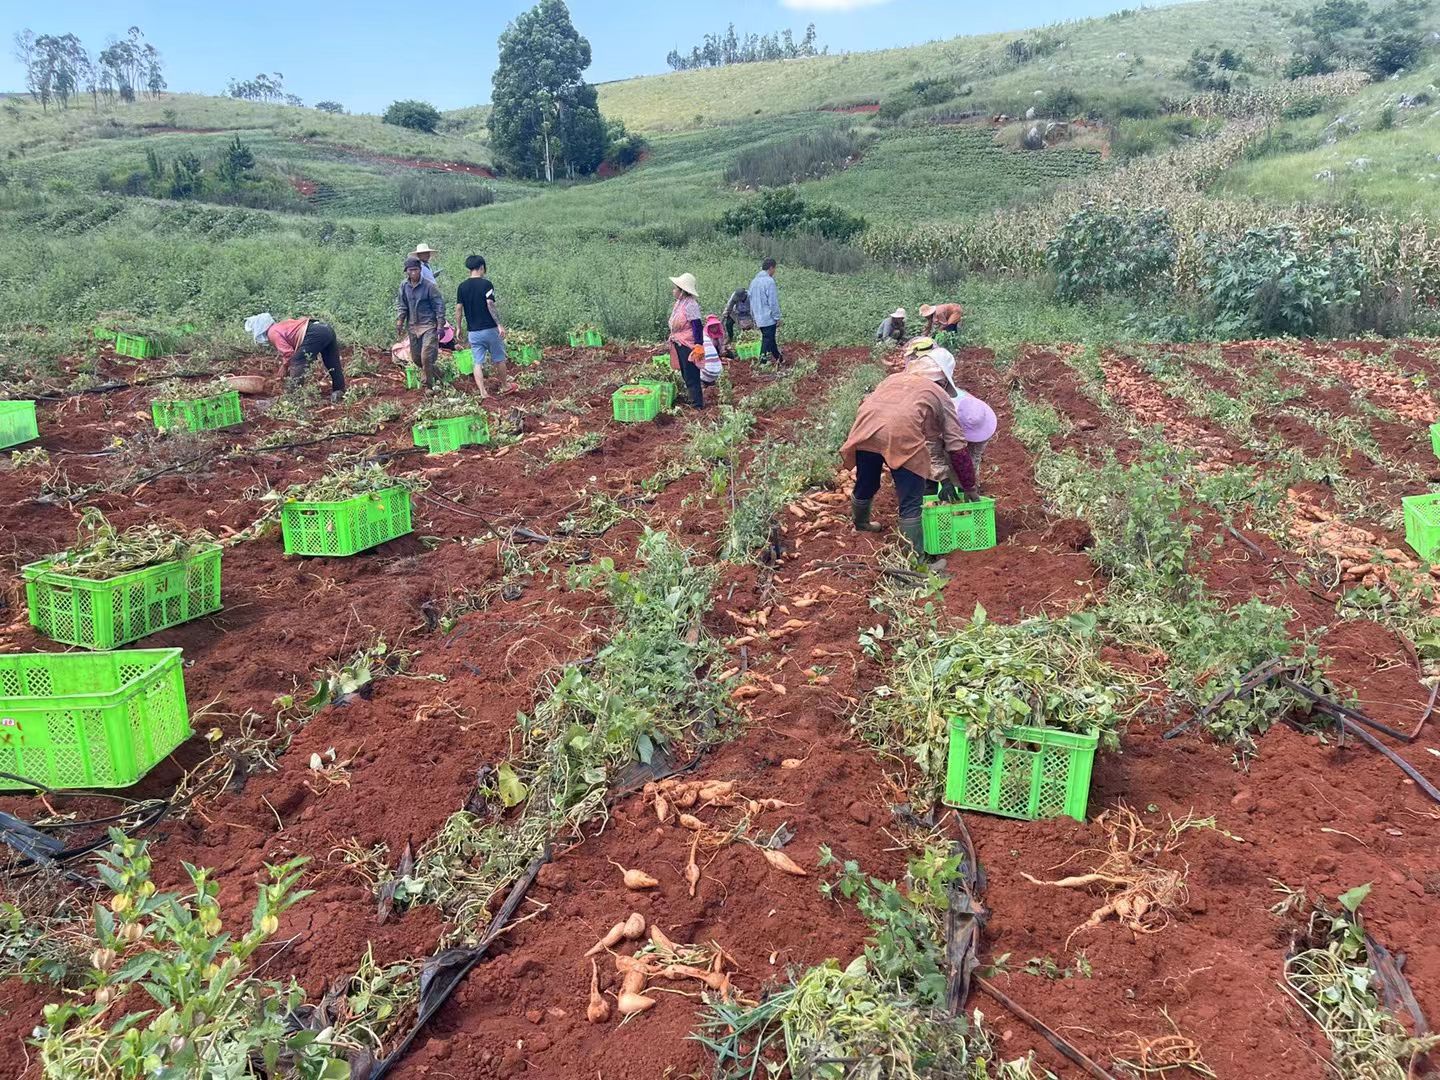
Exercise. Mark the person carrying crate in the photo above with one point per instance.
(908, 426)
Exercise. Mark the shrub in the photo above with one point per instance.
(333, 107)
(782, 211)
(441, 193)
(917, 95)
(789, 161)
(622, 149)
(1117, 251)
(415, 115)
(1395, 52)
(1064, 102)
(1274, 282)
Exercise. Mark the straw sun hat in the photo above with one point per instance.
(686, 283)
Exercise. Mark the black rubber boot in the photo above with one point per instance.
(914, 534)
(860, 515)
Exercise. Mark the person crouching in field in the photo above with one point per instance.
(977, 419)
(891, 331)
(420, 312)
(297, 340)
(475, 301)
(941, 317)
(687, 351)
(908, 426)
(717, 351)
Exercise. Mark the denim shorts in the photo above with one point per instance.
(488, 346)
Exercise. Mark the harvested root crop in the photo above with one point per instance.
(598, 1011)
(1139, 893)
(632, 929)
(782, 862)
(636, 879)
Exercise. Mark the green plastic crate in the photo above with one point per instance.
(1422, 524)
(198, 414)
(104, 333)
(1030, 773)
(589, 339)
(1435, 439)
(465, 362)
(89, 720)
(661, 361)
(964, 526)
(112, 612)
(748, 350)
(524, 355)
(665, 388)
(443, 436)
(346, 527)
(17, 423)
(133, 345)
(635, 402)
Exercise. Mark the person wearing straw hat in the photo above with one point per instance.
(420, 314)
(976, 418)
(944, 316)
(297, 340)
(892, 329)
(423, 253)
(907, 426)
(686, 341)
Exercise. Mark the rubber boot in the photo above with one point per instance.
(914, 534)
(860, 515)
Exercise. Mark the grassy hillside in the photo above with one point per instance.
(1143, 48)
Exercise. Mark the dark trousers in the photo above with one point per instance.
(767, 344)
(319, 341)
(910, 488)
(689, 372)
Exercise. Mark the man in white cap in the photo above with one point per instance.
(423, 253)
(892, 329)
(908, 426)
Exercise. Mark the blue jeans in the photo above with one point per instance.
(487, 344)
(910, 488)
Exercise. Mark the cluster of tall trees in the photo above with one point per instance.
(267, 88)
(58, 67)
(718, 50)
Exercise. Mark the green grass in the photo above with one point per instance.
(1146, 49)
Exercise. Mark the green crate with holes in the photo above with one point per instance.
(465, 362)
(747, 350)
(525, 355)
(586, 339)
(957, 526)
(110, 612)
(89, 720)
(136, 347)
(1435, 439)
(665, 388)
(1020, 772)
(635, 402)
(443, 436)
(198, 414)
(1422, 524)
(17, 423)
(347, 526)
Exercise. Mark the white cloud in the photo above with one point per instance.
(831, 5)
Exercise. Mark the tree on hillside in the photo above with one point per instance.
(267, 88)
(333, 107)
(545, 118)
(55, 66)
(130, 65)
(415, 115)
(720, 50)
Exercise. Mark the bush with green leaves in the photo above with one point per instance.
(1276, 280)
(795, 159)
(215, 1020)
(783, 212)
(441, 193)
(415, 115)
(1127, 252)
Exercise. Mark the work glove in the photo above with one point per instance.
(697, 355)
(951, 493)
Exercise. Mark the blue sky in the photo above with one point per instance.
(366, 53)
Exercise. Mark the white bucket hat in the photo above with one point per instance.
(422, 249)
(258, 325)
(898, 313)
(934, 368)
(686, 283)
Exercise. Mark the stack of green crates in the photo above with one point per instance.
(635, 402)
(89, 720)
(110, 612)
(17, 423)
(1422, 524)
(443, 436)
(220, 410)
(345, 527)
(1021, 772)
(133, 345)
(963, 526)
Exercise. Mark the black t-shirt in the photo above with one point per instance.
(474, 295)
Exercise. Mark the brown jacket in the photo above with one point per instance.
(910, 421)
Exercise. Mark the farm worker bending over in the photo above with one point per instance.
(765, 309)
(297, 340)
(976, 418)
(944, 316)
(737, 313)
(475, 301)
(908, 425)
(686, 334)
(420, 311)
(892, 328)
(717, 349)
